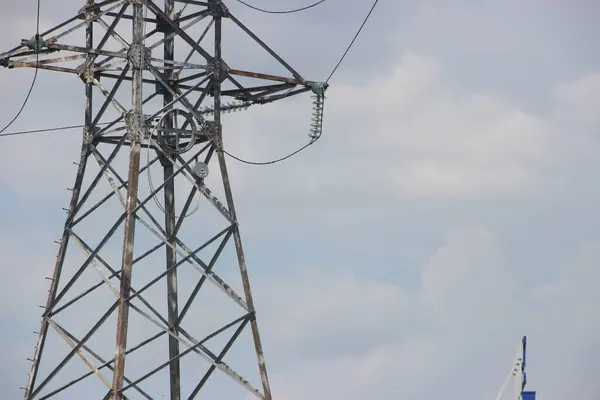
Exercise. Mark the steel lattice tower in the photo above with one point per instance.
(164, 115)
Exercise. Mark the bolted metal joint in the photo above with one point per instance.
(212, 130)
(136, 126)
(216, 8)
(89, 12)
(139, 56)
(87, 73)
(89, 133)
(218, 68)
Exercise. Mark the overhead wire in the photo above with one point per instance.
(37, 60)
(60, 128)
(327, 81)
(256, 163)
(353, 40)
(281, 12)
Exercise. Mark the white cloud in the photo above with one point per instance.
(480, 312)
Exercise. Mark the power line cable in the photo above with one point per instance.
(327, 81)
(272, 161)
(353, 40)
(282, 12)
(37, 60)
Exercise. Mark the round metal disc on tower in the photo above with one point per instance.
(200, 170)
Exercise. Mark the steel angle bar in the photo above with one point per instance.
(74, 350)
(145, 80)
(201, 350)
(111, 95)
(98, 176)
(106, 129)
(159, 13)
(110, 58)
(191, 77)
(120, 108)
(14, 50)
(176, 93)
(49, 68)
(86, 263)
(250, 90)
(73, 345)
(189, 16)
(193, 2)
(85, 50)
(199, 101)
(202, 36)
(235, 82)
(275, 97)
(142, 203)
(112, 27)
(175, 100)
(186, 251)
(177, 64)
(266, 77)
(33, 60)
(80, 25)
(200, 283)
(87, 250)
(147, 253)
(99, 284)
(202, 268)
(212, 368)
(202, 15)
(201, 187)
(110, 30)
(56, 275)
(184, 210)
(114, 66)
(178, 263)
(130, 17)
(223, 367)
(116, 292)
(267, 48)
(194, 348)
(230, 204)
(109, 195)
(106, 364)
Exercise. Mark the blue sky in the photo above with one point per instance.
(449, 209)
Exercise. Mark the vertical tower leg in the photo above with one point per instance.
(170, 223)
(136, 124)
(64, 242)
(230, 204)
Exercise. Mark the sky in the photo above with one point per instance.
(449, 208)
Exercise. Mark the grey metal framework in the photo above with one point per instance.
(182, 137)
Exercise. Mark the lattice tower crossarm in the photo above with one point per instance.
(165, 113)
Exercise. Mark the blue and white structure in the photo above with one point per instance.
(519, 376)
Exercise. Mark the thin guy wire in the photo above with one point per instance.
(353, 40)
(37, 59)
(60, 128)
(281, 12)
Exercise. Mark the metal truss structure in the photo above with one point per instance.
(164, 110)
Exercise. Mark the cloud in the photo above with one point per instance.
(476, 311)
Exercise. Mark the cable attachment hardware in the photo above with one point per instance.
(316, 127)
(36, 42)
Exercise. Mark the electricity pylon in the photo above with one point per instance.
(167, 111)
